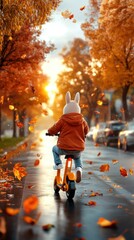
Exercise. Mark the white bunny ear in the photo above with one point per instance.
(68, 97)
(77, 97)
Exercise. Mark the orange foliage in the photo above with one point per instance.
(123, 172)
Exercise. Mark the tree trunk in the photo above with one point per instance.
(0, 122)
(124, 102)
(14, 123)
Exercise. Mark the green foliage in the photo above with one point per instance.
(10, 142)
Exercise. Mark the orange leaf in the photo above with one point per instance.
(29, 220)
(96, 145)
(104, 168)
(114, 161)
(99, 154)
(131, 172)
(36, 163)
(71, 16)
(47, 227)
(30, 204)
(19, 171)
(123, 172)
(82, 8)
(91, 203)
(106, 223)
(12, 211)
(30, 186)
(90, 173)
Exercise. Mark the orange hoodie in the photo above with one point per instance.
(73, 129)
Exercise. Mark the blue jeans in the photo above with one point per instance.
(57, 152)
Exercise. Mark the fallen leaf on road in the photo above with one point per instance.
(106, 223)
(91, 203)
(89, 162)
(90, 173)
(99, 154)
(94, 194)
(120, 237)
(114, 161)
(30, 204)
(19, 171)
(123, 172)
(104, 168)
(12, 211)
(82, 8)
(47, 227)
(37, 162)
(29, 220)
(131, 172)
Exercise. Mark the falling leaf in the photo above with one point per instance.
(33, 121)
(19, 171)
(2, 99)
(82, 8)
(36, 163)
(30, 204)
(91, 203)
(114, 161)
(123, 172)
(99, 154)
(106, 223)
(47, 227)
(104, 168)
(2, 225)
(66, 14)
(78, 225)
(12, 211)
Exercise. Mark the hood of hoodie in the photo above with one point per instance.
(72, 118)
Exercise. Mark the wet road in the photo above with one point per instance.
(76, 220)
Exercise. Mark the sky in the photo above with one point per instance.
(60, 31)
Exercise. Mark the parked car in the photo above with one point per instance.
(112, 131)
(126, 137)
(90, 133)
(98, 134)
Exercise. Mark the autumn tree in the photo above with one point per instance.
(111, 44)
(21, 68)
(15, 13)
(75, 78)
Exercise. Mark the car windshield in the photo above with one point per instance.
(117, 126)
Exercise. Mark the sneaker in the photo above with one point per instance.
(78, 174)
(56, 167)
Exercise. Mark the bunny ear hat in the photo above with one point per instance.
(72, 106)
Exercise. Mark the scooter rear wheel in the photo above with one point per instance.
(71, 189)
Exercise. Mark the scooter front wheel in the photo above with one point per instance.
(71, 189)
(56, 188)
